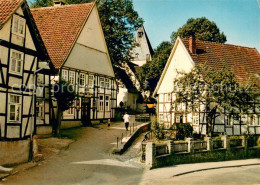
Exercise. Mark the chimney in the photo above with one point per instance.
(192, 44)
(58, 3)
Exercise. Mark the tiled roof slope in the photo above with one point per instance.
(59, 28)
(7, 8)
(243, 61)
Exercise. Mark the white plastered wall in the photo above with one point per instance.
(89, 52)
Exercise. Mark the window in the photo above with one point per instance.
(14, 108)
(107, 83)
(195, 119)
(40, 79)
(178, 118)
(82, 79)
(70, 111)
(102, 82)
(230, 119)
(101, 103)
(258, 120)
(90, 81)
(18, 26)
(72, 77)
(16, 62)
(107, 103)
(140, 34)
(64, 75)
(252, 120)
(40, 110)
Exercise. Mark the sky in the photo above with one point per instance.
(238, 19)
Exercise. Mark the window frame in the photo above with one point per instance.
(19, 19)
(92, 80)
(16, 62)
(107, 83)
(66, 76)
(71, 110)
(15, 104)
(195, 119)
(107, 103)
(101, 103)
(102, 82)
(71, 76)
(82, 78)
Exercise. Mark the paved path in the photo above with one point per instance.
(226, 172)
(89, 161)
(86, 161)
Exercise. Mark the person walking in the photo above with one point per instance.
(126, 121)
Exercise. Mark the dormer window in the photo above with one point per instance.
(140, 34)
(18, 26)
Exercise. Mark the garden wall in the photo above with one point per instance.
(14, 152)
(200, 151)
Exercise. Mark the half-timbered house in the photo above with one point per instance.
(22, 54)
(76, 45)
(185, 54)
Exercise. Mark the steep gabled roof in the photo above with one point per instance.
(8, 7)
(60, 28)
(243, 61)
(149, 43)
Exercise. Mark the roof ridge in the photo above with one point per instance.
(57, 7)
(212, 42)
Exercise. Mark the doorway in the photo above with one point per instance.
(85, 111)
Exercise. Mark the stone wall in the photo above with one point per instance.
(14, 152)
(200, 151)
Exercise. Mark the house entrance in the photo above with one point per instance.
(85, 113)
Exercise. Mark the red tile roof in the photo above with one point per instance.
(243, 61)
(7, 8)
(59, 28)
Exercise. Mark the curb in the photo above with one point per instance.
(13, 172)
(131, 139)
(214, 168)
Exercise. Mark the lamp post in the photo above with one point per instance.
(33, 108)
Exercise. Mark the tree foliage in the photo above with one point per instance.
(152, 70)
(119, 22)
(64, 95)
(215, 91)
(201, 28)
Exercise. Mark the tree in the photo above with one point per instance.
(119, 22)
(214, 92)
(64, 94)
(201, 28)
(42, 3)
(152, 70)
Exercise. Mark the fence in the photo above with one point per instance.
(209, 149)
(142, 117)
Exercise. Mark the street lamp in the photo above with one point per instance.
(33, 105)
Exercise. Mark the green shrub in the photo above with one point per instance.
(157, 129)
(183, 130)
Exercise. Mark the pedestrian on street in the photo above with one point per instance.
(126, 120)
(108, 123)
